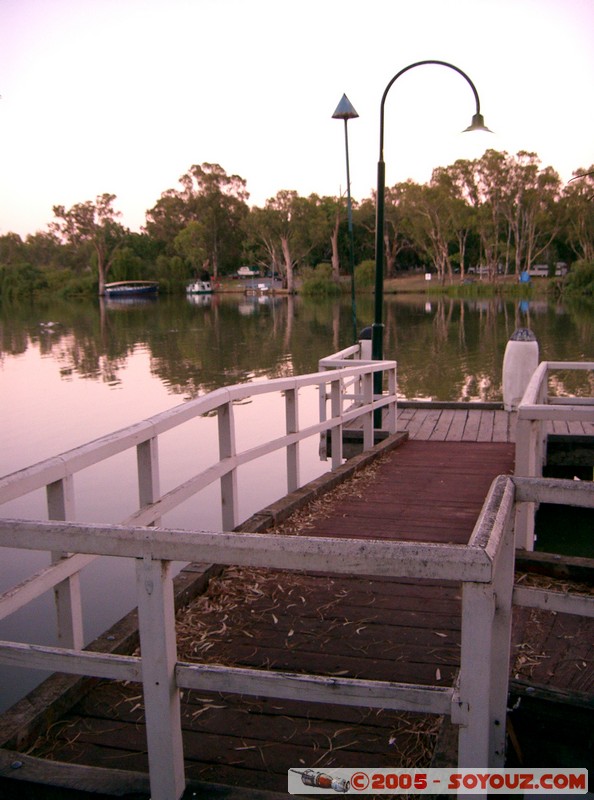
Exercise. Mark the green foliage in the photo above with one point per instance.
(127, 266)
(20, 280)
(172, 273)
(580, 279)
(63, 283)
(319, 281)
(365, 274)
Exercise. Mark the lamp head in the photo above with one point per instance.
(344, 110)
(477, 124)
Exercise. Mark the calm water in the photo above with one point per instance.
(70, 372)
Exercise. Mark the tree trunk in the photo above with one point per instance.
(288, 264)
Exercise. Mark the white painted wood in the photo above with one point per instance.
(575, 412)
(73, 662)
(503, 584)
(147, 460)
(494, 517)
(536, 413)
(554, 490)
(391, 416)
(336, 414)
(156, 621)
(527, 432)
(343, 556)
(315, 688)
(67, 595)
(368, 417)
(44, 580)
(292, 426)
(227, 452)
(475, 682)
(582, 605)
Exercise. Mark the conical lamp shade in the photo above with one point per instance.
(344, 110)
(477, 124)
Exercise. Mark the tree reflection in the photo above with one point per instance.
(446, 349)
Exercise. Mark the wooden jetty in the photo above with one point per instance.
(423, 486)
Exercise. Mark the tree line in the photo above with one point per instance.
(501, 212)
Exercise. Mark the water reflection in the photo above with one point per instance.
(199, 343)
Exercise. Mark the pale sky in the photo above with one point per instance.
(123, 96)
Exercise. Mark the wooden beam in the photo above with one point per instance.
(316, 688)
(351, 556)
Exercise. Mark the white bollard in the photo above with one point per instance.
(519, 362)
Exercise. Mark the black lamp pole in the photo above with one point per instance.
(377, 331)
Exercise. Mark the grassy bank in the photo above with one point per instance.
(472, 287)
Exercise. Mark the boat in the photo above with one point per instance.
(199, 287)
(131, 288)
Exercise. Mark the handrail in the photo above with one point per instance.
(537, 408)
(345, 358)
(477, 703)
(56, 474)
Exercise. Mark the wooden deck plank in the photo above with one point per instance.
(413, 424)
(442, 426)
(471, 428)
(457, 425)
(501, 426)
(485, 431)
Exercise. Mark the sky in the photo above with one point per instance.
(124, 96)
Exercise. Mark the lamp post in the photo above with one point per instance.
(346, 111)
(477, 124)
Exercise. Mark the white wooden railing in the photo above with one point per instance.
(356, 391)
(536, 411)
(57, 475)
(476, 703)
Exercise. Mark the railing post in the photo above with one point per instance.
(336, 412)
(227, 449)
(60, 506)
(156, 623)
(322, 407)
(527, 458)
(369, 421)
(503, 586)
(147, 459)
(390, 421)
(292, 426)
(474, 738)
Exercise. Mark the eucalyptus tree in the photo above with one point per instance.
(461, 216)
(530, 208)
(12, 249)
(333, 208)
(431, 225)
(578, 213)
(398, 230)
(291, 226)
(262, 243)
(214, 200)
(92, 225)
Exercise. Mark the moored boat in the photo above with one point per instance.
(199, 287)
(131, 288)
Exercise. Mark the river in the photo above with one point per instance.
(73, 371)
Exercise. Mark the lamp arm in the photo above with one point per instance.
(406, 69)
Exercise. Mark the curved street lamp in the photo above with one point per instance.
(477, 124)
(346, 111)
